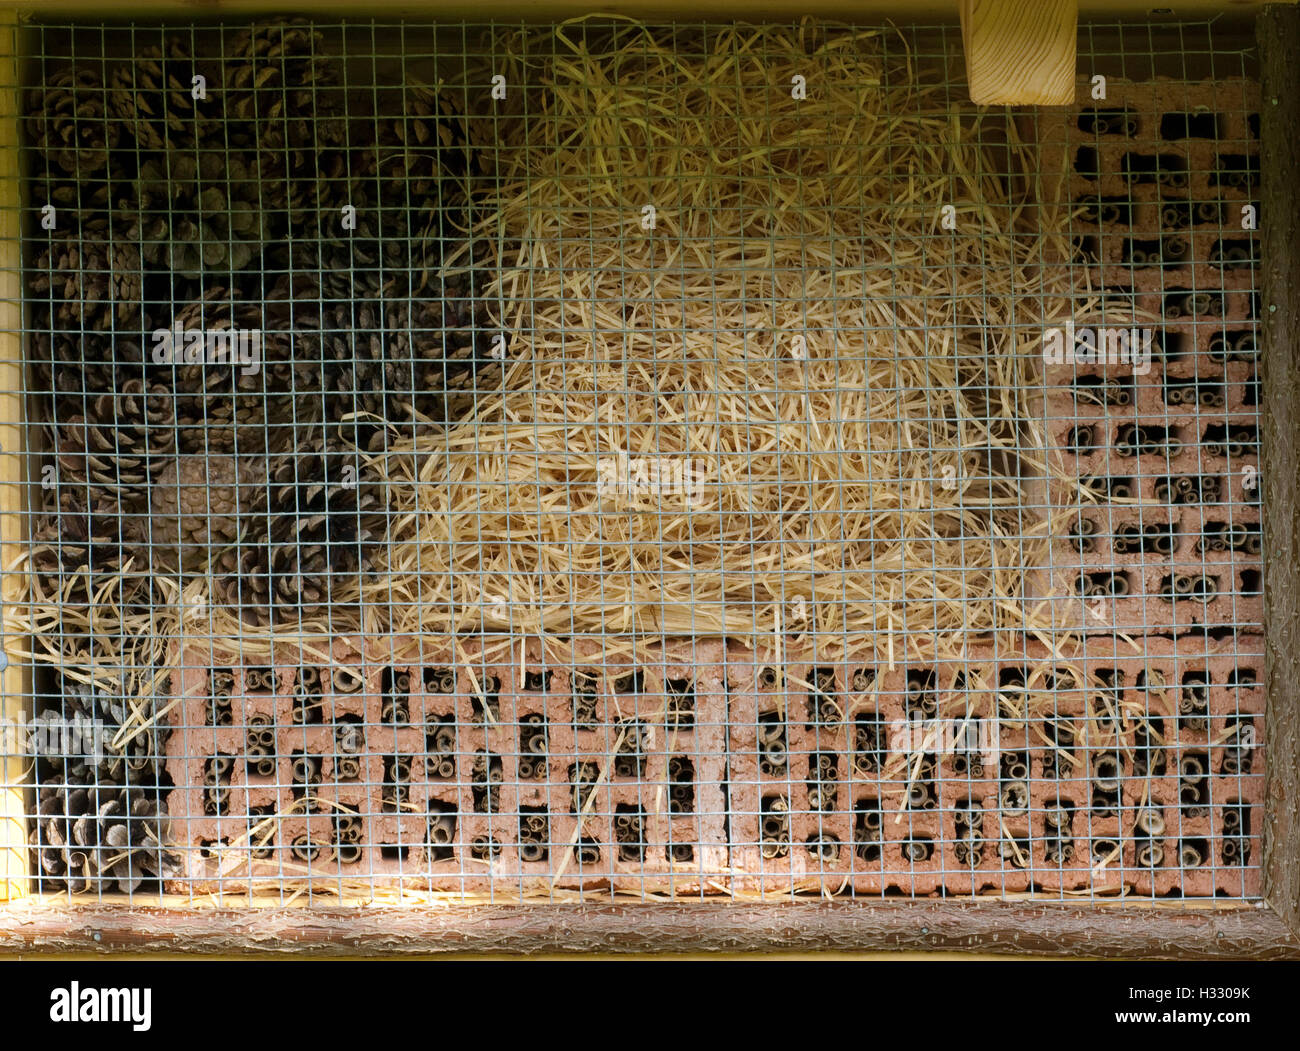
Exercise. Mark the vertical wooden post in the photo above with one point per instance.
(1278, 35)
(14, 871)
(1020, 52)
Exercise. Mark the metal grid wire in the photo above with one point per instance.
(1111, 751)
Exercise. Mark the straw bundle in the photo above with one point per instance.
(758, 386)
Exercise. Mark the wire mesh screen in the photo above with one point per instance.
(508, 462)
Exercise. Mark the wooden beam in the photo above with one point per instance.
(1126, 931)
(1020, 52)
(13, 825)
(1278, 35)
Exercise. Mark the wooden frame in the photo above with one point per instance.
(1205, 930)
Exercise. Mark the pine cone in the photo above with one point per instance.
(94, 753)
(151, 97)
(322, 514)
(196, 504)
(222, 407)
(198, 215)
(90, 837)
(122, 439)
(93, 280)
(76, 200)
(71, 365)
(68, 122)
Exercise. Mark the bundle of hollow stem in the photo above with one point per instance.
(775, 324)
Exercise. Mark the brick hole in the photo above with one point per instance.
(350, 741)
(439, 680)
(1193, 852)
(1188, 489)
(1058, 832)
(1107, 769)
(1105, 850)
(863, 679)
(968, 816)
(1109, 486)
(396, 788)
(823, 847)
(537, 681)
(774, 830)
(259, 680)
(1194, 700)
(586, 852)
(1196, 393)
(769, 678)
(1147, 439)
(1229, 536)
(584, 698)
(486, 776)
(485, 848)
(1103, 584)
(1085, 250)
(1013, 793)
(681, 703)
(1189, 587)
(629, 832)
(534, 834)
(1081, 439)
(1169, 250)
(1094, 389)
(1252, 123)
(1176, 214)
(307, 707)
(306, 850)
(921, 793)
(259, 746)
(1105, 210)
(1150, 169)
(1250, 394)
(1236, 170)
(1239, 746)
(1085, 162)
(216, 779)
(442, 831)
(305, 772)
(1251, 582)
(868, 742)
(396, 686)
(1156, 538)
(1190, 125)
(486, 706)
(824, 705)
(212, 849)
(1107, 121)
(1148, 828)
(630, 756)
(680, 852)
(1234, 253)
(823, 775)
(773, 744)
(1234, 819)
(440, 747)
(1194, 784)
(630, 682)
(261, 832)
(218, 711)
(532, 746)
(1234, 440)
(917, 849)
(394, 851)
(1191, 303)
(681, 790)
(349, 832)
(582, 782)
(921, 696)
(868, 822)
(1061, 739)
(1148, 752)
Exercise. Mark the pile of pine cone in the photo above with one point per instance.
(251, 190)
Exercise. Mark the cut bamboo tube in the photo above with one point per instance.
(14, 869)
(1020, 52)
